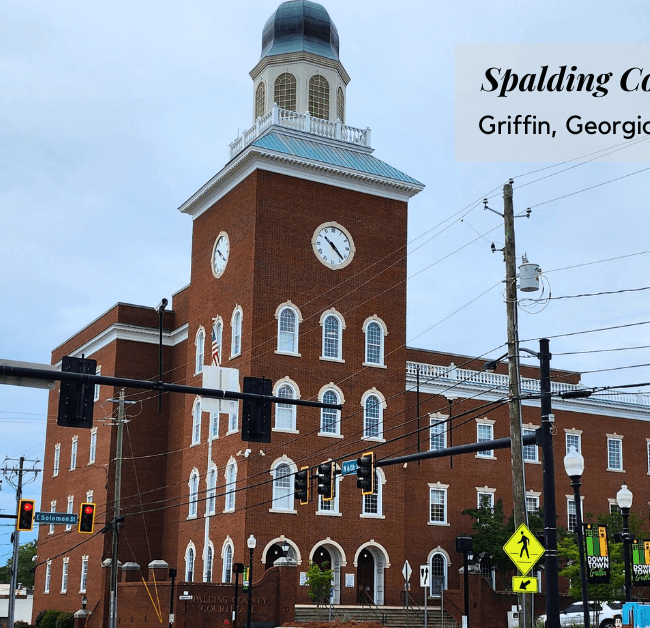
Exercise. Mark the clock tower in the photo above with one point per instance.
(299, 275)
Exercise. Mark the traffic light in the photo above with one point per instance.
(301, 486)
(256, 415)
(76, 400)
(87, 518)
(326, 481)
(366, 473)
(25, 521)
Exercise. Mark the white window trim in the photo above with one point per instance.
(293, 468)
(48, 577)
(209, 495)
(89, 496)
(437, 417)
(96, 392)
(533, 495)
(52, 509)
(217, 320)
(439, 487)
(485, 490)
(92, 451)
(74, 452)
(214, 420)
(619, 438)
(572, 499)
(332, 312)
(69, 510)
(84, 563)
(197, 418)
(65, 575)
(335, 512)
(208, 563)
(224, 548)
(380, 502)
(190, 546)
(199, 357)
(647, 440)
(286, 381)
(382, 406)
(233, 352)
(233, 427)
(530, 426)
(331, 386)
(480, 454)
(193, 501)
(57, 460)
(573, 432)
(288, 305)
(232, 464)
(374, 319)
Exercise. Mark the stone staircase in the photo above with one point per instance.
(389, 616)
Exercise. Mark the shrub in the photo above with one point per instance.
(21, 624)
(65, 620)
(49, 619)
(39, 619)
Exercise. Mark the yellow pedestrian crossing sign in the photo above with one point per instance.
(524, 584)
(523, 549)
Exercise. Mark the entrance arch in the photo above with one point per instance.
(439, 563)
(371, 560)
(332, 552)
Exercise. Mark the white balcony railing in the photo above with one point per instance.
(300, 122)
(436, 373)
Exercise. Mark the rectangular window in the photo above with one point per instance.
(64, 576)
(70, 510)
(48, 575)
(530, 451)
(613, 507)
(615, 454)
(331, 505)
(73, 453)
(232, 422)
(97, 394)
(532, 504)
(57, 459)
(52, 509)
(485, 500)
(648, 446)
(484, 433)
(93, 446)
(437, 434)
(571, 510)
(573, 440)
(84, 574)
(438, 505)
(214, 425)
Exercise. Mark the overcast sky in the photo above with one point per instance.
(113, 114)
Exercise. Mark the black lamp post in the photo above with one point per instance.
(84, 601)
(237, 568)
(624, 501)
(464, 546)
(285, 549)
(574, 464)
(251, 542)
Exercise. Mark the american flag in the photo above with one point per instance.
(215, 346)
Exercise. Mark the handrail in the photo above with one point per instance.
(381, 617)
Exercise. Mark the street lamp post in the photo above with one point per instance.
(574, 464)
(251, 542)
(624, 501)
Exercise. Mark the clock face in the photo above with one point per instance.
(333, 245)
(220, 254)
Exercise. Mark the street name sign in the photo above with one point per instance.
(185, 596)
(523, 549)
(349, 467)
(69, 518)
(524, 584)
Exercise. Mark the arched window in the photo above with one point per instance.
(330, 422)
(217, 341)
(284, 92)
(189, 564)
(194, 493)
(196, 422)
(372, 418)
(282, 493)
(319, 97)
(211, 496)
(207, 568)
(285, 414)
(375, 330)
(235, 346)
(332, 337)
(340, 105)
(226, 575)
(372, 503)
(231, 485)
(200, 350)
(288, 331)
(438, 574)
(260, 97)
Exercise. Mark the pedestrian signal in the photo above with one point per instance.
(87, 518)
(25, 522)
(301, 486)
(366, 473)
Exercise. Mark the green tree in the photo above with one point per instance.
(26, 554)
(319, 581)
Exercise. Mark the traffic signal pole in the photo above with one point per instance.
(16, 545)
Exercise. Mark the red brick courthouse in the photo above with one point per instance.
(298, 274)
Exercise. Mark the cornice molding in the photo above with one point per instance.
(254, 157)
(297, 57)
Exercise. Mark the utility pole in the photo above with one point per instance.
(121, 419)
(9, 474)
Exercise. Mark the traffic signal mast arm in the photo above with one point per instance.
(83, 378)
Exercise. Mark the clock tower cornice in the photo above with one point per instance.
(297, 57)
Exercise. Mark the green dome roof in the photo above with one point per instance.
(300, 26)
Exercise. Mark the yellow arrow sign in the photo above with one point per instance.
(523, 549)
(524, 584)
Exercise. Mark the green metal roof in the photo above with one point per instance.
(331, 154)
